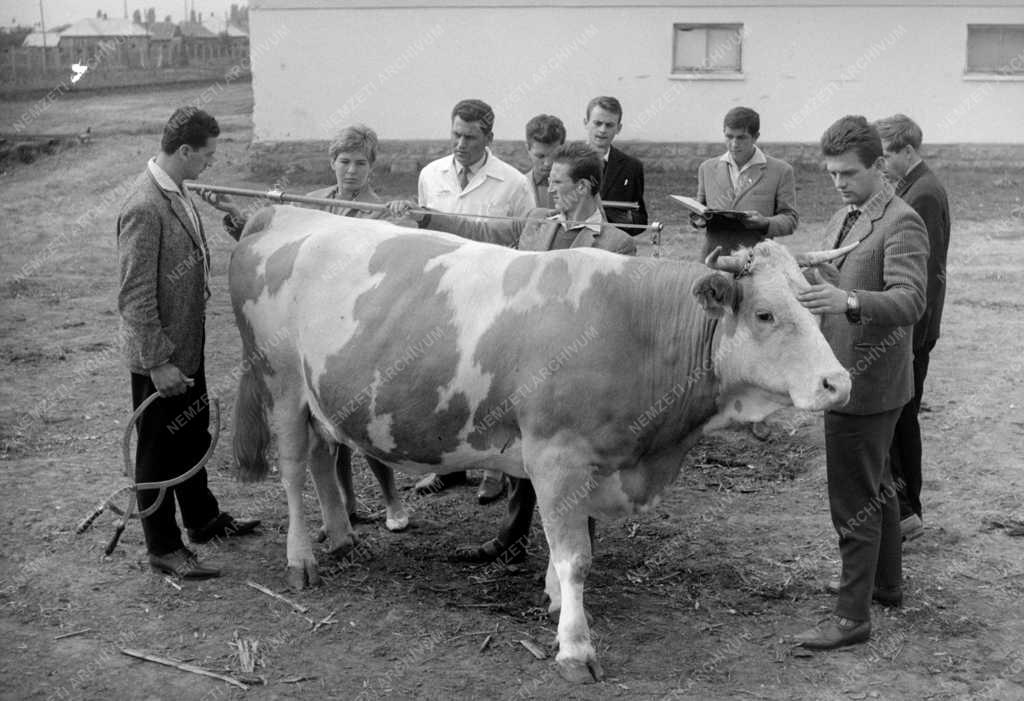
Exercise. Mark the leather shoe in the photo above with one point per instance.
(182, 563)
(833, 632)
(912, 528)
(889, 597)
(492, 486)
(433, 483)
(491, 551)
(223, 526)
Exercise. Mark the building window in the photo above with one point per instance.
(707, 48)
(995, 48)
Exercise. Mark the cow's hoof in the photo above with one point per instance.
(302, 576)
(580, 671)
(398, 523)
(344, 545)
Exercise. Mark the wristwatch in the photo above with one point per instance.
(852, 306)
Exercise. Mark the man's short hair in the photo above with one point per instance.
(610, 104)
(475, 111)
(900, 131)
(357, 137)
(545, 129)
(584, 163)
(743, 118)
(852, 133)
(190, 126)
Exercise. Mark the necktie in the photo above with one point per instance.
(851, 219)
(464, 177)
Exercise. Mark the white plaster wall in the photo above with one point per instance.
(402, 69)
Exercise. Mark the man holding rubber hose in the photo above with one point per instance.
(164, 265)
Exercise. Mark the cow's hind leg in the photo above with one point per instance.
(397, 517)
(333, 508)
(292, 424)
(563, 486)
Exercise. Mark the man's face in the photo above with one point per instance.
(854, 182)
(468, 141)
(602, 128)
(196, 160)
(897, 163)
(351, 169)
(740, 144)
(565, 192)
(540, 157)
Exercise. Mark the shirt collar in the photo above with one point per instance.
(593, 222)
(162, 178)
(757, 159)
(474, 168)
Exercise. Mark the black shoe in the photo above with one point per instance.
(432, 483)
(182, 563)
(834, 632)
(223, 526)
(491, 551)
(491, 488)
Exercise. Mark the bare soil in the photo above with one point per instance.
(691, 601)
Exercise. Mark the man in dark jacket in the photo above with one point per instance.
(918, 186)
(623, 178)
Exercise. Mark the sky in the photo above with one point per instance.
(26, 12)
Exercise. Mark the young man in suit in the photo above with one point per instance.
(917, 185)
(577, 220)
(164, 284)
(544, 134)
(867, 317)
(472, 181)
(744, 178)
(623, 179)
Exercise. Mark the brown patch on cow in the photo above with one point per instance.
(518, 274)
(555, 278)
(260, 221)
(738, 406)
(405, 349)
(281, 263)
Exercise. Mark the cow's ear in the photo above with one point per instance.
(717, 293)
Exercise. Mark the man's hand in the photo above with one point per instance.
(755, 220)
(169, 380)
(222, 202)
(404, 209)
(823, 297)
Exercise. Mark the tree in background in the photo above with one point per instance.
(192, 16)
(150, 17)
(13, 37)
(137, 16)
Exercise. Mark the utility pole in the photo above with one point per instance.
(42, 28)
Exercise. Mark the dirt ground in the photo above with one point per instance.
(690, 601)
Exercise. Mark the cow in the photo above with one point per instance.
(588, 372)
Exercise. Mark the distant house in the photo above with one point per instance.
(166, 44)
(117, 41)
(200, 43)
(39, 40)
(233, 37)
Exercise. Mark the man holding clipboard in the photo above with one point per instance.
(749, 196)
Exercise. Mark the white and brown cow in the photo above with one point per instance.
(589, 372)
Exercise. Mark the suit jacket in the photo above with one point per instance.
(770, 190)
(623, 181)
(536, 233)
(365, 195)
(163, 286)
(923, 191)
(888, 270)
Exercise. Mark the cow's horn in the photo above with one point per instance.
(810, 258)
(729, 264)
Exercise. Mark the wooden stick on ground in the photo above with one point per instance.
(71, 635)
(260, 588)
(183, 667)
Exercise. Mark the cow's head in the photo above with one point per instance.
(769, 351)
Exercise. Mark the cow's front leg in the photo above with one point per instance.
(293, 450)
(335, 515)
(563, 486)
(397, 518)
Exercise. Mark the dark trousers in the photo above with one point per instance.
(515, 530)
(905, 452)
(173, 435)
(865, 507)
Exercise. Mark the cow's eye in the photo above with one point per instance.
(766, 317)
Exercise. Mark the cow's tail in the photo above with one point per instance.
(252, 431)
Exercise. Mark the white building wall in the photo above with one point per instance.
(401, 69)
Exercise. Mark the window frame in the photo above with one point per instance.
(699, 73)
(975, 72)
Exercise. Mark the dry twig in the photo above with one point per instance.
(269, 592)
(182, 666)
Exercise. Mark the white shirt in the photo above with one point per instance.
(495, 188)
(735, 172)
(168, 185)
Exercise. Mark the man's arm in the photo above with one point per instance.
(500, 232)
(785, 219)
(902, 301)
(138, 251)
